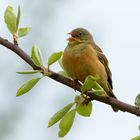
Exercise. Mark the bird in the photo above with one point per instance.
(82, 57)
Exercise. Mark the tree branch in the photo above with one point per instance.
(107, 100)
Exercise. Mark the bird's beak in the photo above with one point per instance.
(70, 33)
(71, 38)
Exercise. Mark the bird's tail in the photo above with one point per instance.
(108, 90)
(113, 96)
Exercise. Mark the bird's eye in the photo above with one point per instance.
(80, 34)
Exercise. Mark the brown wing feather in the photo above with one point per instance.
(104, 61)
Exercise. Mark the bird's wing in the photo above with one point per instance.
(97, 48)
(104, 61)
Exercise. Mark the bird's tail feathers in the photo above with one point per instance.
(113, 96)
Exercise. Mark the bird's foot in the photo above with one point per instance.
(75, 82)
(86, 99)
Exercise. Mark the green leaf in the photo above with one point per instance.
(83, 109)
(54, 57)
(90, 82)
(10, 19)
(18, 17)
(137, 100)
(136, 138)
(63, 73)
(29, 72)
(36, 56)
(27, 86)
(58, 115)
(66, 123)
(77, 99)
(23, 31)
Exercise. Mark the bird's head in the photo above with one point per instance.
(80, 35)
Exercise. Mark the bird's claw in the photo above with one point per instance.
(86, 99)
(75, 82)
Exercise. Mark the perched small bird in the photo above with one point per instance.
(82, 57)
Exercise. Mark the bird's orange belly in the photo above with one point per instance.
(80, 65)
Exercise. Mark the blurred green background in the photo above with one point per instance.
(115, 26)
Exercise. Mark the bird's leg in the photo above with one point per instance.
(75, 82)
(86, 99)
